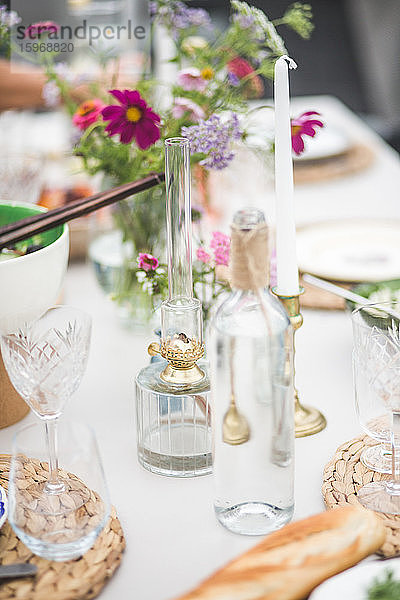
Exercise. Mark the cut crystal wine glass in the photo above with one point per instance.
(375, 419)
(45, 361)
(377, 346)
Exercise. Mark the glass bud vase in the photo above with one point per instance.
(251, 355)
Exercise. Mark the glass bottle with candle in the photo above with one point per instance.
(252, 391)
(172, 395)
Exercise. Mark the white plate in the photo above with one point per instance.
(329, 142)
(350, 250)
(353, 583)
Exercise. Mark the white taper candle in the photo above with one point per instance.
(286, 262)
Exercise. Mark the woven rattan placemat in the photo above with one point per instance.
(355, 159)
(82, 578)
(343, 477)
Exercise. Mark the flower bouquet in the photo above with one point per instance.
(120, 132)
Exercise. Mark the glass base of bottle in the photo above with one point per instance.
(173, 424)
(176, 461)
(253, 518)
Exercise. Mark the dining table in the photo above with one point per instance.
(173, 539)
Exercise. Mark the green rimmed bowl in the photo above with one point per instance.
(29, 284)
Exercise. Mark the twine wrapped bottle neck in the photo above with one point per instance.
(249, 257)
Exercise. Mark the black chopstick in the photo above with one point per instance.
(25, 228)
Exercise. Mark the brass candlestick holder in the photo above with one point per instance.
(308, 420)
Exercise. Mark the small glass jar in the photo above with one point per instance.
(252, 391)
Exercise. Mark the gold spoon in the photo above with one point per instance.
(235, 429)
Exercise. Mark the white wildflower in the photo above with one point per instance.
(147, 287)
(273, 39)
(51, 94)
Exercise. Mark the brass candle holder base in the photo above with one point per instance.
(307, 420)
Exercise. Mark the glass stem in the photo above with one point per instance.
(394, 485)
(54, 485)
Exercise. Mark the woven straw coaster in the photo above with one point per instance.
(356, 159)
(343, 477)
(82, 578)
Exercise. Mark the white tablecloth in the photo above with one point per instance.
(173, 538)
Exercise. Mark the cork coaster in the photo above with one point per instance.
(357, 158)
(343, 477)
(82, 578)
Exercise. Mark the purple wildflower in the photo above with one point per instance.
(8, 18)
(244, 21)
(214, 138)
(153, 8)
(177, 17)
(198, 17)
(233, 79)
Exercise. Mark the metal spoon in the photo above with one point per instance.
(235, 429)
(17, 570)
(346, 294)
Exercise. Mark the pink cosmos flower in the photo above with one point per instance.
(301, 126)
(241, 68)
(35, 30)
(185, 105)
(202, 255)
(191, 79)
(88, 112)
(133, 119)
(147, 262)
(220, 243)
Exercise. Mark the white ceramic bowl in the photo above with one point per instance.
(30, 284)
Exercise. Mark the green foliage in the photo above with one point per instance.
(299, 18)
(385, 588)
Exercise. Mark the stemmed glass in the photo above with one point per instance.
(375, 419)
(376, 331)
(45, 361)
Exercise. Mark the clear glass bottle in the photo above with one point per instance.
(251, 354)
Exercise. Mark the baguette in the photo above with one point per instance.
(290, 563)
